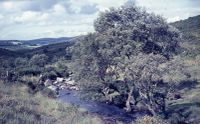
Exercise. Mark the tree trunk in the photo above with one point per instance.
(128, 101)
(106, 94)
(148, 102)
(151, 110)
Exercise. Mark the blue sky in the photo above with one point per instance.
(31, 19)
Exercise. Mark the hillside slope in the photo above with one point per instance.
(19, 107)
(51, 50)
(7, 53)
(15, 45)
(190, 25)
(190, 28)
(46, 41)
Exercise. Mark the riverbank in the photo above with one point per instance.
(110, 114)
(17, 106)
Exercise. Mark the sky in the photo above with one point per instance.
(32, 19)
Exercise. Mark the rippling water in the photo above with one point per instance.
(102, 109)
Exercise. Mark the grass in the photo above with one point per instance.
(186, 109)
(19, 107)
(150, 120)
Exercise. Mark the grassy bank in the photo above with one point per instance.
(19, 107)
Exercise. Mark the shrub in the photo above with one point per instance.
(49, 93)
(39, 60)
(33, 70)
(50, 75)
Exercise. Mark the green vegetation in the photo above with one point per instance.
(7, 53)
(135, 60)
(191, 38)
(134, 47)
(150, 120)
(17, 107)
(189, 26)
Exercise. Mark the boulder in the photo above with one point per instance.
(55, 82)
(53, 88)
(68, 79)
(48, 82)
(59, 80)
(71, 82)
(74, 88)
(63, 87)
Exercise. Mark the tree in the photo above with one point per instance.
(39, 60)
(20, 61)
(153, 77)
(125, 40)
(135, 30)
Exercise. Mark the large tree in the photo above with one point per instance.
(153, 77)
(123, 38)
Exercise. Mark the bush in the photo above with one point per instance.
(49, 93)
(50, 75)
(33, 70)
(59, 68)
(39, 60)
(30, 79)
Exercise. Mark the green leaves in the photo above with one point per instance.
(128, 45)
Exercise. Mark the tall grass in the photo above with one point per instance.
(19, 107)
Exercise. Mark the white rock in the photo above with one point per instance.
(59, 80)
(48, 82)
(63, 87)
(68, 79)
(74, 88)
(55, 82)
(52, 87)
(72, 82)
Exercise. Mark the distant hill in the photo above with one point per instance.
(58, 50)
(11, 44)
(51, 50)
(30, 44)
(189, 27)
(46, 41)
(4, 53)
(191, 34)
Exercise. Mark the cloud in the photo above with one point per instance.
(30, 19)
(173, 19)
(7, 5)
(59, 9)
(36, 5)
(172, 10)
(31, 16)
(1, 17)
(89, 9)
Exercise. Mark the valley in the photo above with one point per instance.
(145, 71)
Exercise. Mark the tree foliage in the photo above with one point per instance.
(131, 46)
(39, 60)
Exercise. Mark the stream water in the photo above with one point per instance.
(100, 109)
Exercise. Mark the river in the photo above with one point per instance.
(106, 111)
